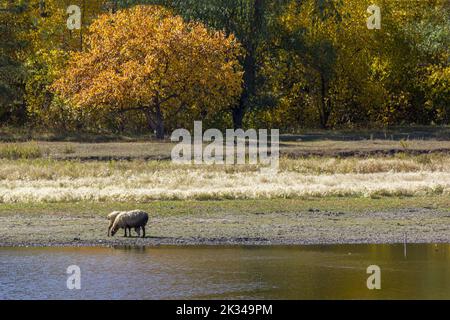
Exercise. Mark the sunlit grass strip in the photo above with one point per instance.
(46, 180)
(205, 185)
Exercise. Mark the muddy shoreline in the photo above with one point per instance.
(199, 242)
(313, 227)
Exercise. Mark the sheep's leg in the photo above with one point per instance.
(143, 232)
(109, 228)
(125, 232)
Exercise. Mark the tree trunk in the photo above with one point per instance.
(324, 107)
(248, 89)
(155, 121)
(249, 64)
(238, 116)
(159, 124)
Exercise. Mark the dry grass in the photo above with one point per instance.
(45, 180)
(397, 163)
(50, 169)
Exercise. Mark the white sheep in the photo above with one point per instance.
(130, 219)
(112, 217)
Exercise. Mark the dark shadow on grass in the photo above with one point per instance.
(393, 133)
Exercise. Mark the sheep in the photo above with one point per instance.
(132, 219)
(112, 216)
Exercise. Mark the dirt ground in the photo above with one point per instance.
(413, 140)
(288, 148)
(313, 226)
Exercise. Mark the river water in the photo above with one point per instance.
(268, 272)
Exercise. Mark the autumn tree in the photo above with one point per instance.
(147, 59)
(49, 44)
(309, 33)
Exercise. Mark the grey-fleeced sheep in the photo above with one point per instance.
(112, 217)
(130, 219)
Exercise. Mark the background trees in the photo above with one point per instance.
(336, 72)
(310, 63)
(12, 70)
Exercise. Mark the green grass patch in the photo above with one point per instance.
(12, 151)
(260, 206)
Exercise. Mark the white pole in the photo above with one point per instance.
(404, 245)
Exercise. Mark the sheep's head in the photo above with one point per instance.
(114, 229)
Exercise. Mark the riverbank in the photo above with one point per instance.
(330, 188)
(234, 222)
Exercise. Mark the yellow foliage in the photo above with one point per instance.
(145, 58)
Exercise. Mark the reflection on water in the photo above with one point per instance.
(298, 272)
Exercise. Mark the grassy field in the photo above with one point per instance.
(334, 188)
